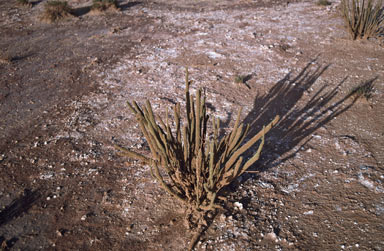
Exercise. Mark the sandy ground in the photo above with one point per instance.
(64, 87)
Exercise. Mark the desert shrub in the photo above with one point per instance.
(197, 167)
(364, 19)
(56, 10)
(103, 5)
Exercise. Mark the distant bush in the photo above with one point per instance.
(56, 10)
(104, 5)
(323, 2)
(364, 19)
(24, 3)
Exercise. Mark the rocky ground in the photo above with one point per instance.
(64, 87)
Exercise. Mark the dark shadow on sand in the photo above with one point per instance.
(19, 206)
(124, 7)
(78, 12)
(22, 57)
(297, 122)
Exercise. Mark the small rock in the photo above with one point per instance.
(84, 217)
(310, 212)
(271, 236)
(130, 227)
(172, 222)
(238, 205)
(222, 218)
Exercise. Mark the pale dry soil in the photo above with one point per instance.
(318, 186)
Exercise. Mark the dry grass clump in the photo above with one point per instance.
(55, 11)
(240, 79)
(24, 3)
(5, 59)
(364, 90)
(197, 166)
(104, 5)
(365, 19)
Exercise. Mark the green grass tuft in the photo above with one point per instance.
(239, 79)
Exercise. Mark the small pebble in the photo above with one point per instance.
(238, 205)
(222, 218)
(310, 212)
(172, 222)
(271, 236)
(130, 227)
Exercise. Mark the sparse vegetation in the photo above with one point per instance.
(242, 80)
(198, 168)
(364, 19)
(5, 59)
(364, 90)
(104, 5)
(323, 2)
(239, 79)
(318, 181)
(56, 10)
(24, 3)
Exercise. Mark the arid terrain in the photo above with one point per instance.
(319, 184)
